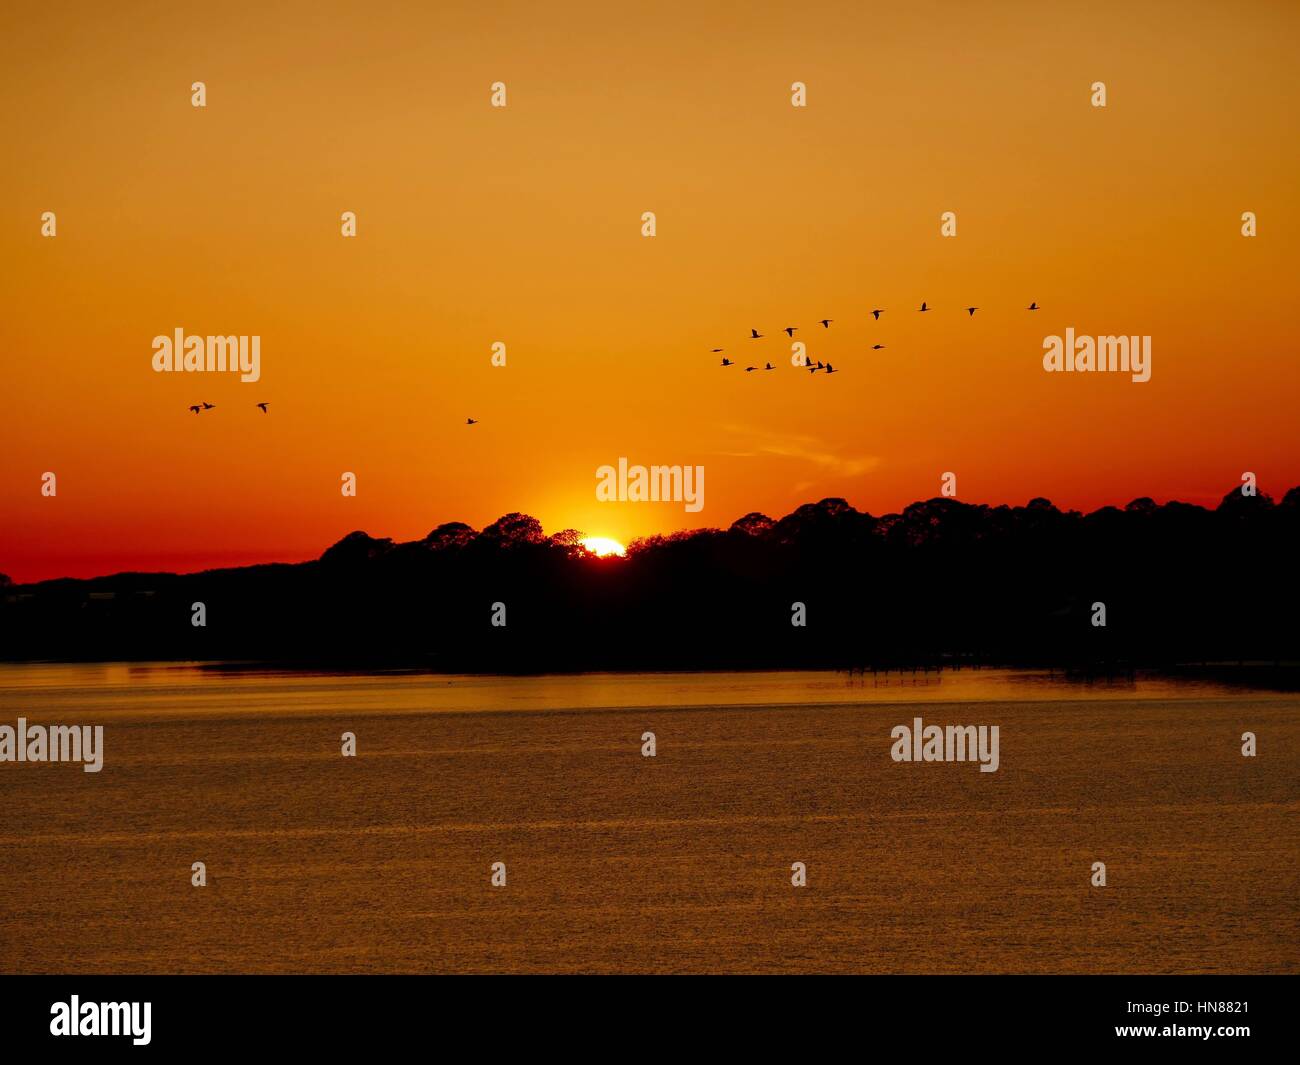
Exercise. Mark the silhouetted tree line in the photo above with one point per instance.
(942, 582)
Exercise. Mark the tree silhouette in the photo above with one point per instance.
(941, 581)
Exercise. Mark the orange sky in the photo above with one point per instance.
(523, 225)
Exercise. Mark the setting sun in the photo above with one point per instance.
(602, 546)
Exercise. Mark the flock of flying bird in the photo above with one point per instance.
(754, 334)
(825, 323)
(199, 408)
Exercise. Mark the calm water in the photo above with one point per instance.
(615, 862)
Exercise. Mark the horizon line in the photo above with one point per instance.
(1261, 497)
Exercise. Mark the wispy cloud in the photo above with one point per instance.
(798, 448)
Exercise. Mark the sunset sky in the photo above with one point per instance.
(523, 225)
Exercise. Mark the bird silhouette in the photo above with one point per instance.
(471, 421)
(726, 361)
(754, 334)
(208, 406)
(263, 406)
(1032, 307)
(196, 408)
(769, 366)
(831, 369)
(716, 350)
(789, 330)
(876, 315)
(923, 306)
(750, 369)
(876, 347)
(971, 311)
(826, 322)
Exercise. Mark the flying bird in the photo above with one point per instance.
(726, 361)
(826, 322)
(263, 406)
(196, 408)
(769, 366)
(971, 311)
(789, 330)
(750, 369)
(471, 421)
(1032, 307)
(923, 306)
(876, 347)
(876, 315)
(208, 406)
(716, 350)
(754, 334)
(831, 369)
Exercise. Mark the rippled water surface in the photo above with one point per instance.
(617, 862)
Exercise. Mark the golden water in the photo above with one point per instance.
(617, 862)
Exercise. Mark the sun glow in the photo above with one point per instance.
(603, 545)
